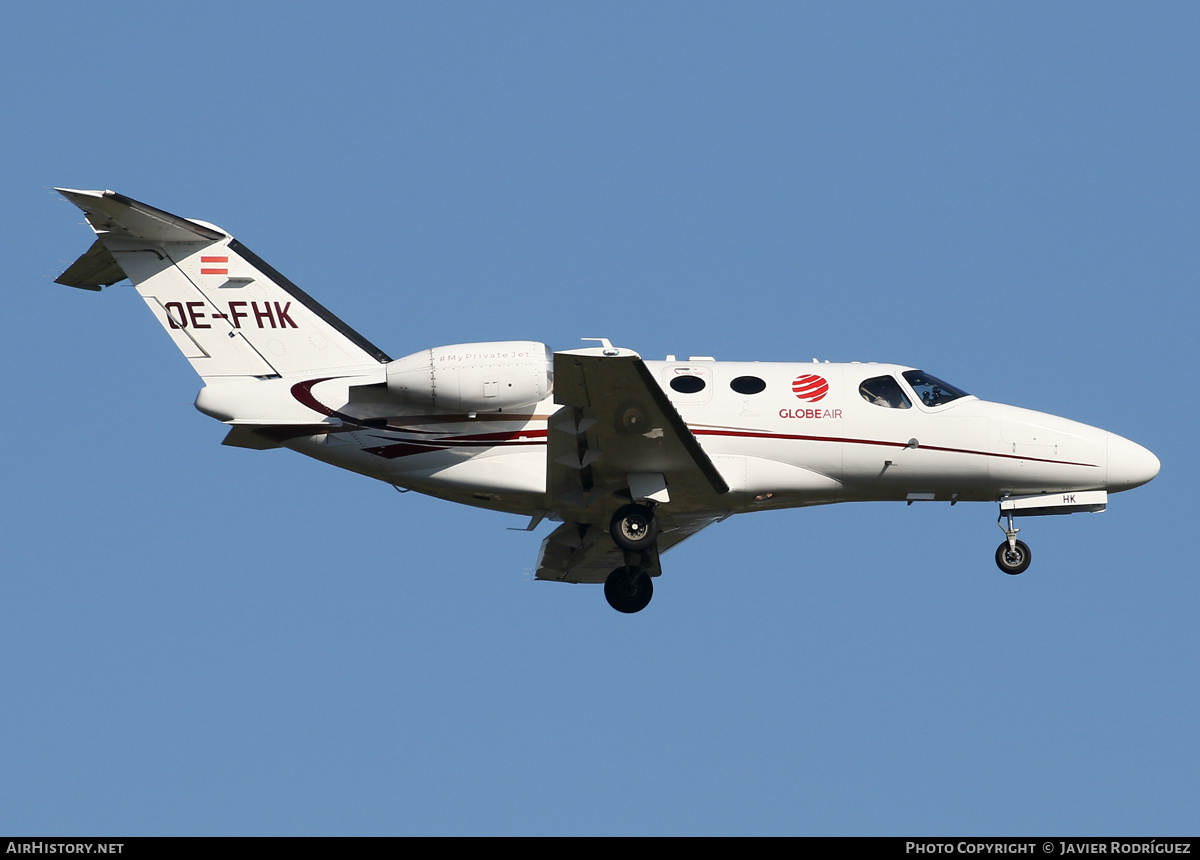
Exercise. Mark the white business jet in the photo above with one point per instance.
(630, 456)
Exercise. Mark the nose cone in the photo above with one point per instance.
(1129, 464)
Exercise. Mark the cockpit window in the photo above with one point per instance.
(931, 390)
(884, 391)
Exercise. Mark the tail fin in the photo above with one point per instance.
(230, 313)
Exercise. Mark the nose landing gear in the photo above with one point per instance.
(1015, 559)
(1012, 556)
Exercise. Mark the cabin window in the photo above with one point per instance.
(884, 391)
(688, 384)
(931, 390)
(747, 385)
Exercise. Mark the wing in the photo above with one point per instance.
(616, 438)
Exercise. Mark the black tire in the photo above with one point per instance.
(634, 528)
(1011, 562)
(628, 589)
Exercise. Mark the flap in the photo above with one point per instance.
(579, 552)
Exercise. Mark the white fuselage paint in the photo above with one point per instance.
(774, 449)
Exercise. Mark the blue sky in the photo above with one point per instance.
(203, 640)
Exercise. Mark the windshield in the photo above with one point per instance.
(931, 390)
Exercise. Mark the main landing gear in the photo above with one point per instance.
(634, 530)
(628, 589)
(1012, 556)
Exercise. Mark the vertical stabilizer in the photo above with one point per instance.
(230, 313)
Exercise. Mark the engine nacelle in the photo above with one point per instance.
(474, 377)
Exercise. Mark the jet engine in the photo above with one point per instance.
(474, 377)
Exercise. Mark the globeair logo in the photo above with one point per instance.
(810, 387)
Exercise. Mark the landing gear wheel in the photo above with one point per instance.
(1013, 562)
(634, 528)
(628, 589)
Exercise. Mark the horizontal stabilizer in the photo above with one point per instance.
(242, 436)
(95, 268)
(115, 213)
(260, 437)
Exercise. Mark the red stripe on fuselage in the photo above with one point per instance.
(751, 434)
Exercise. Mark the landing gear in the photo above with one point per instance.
(1012, 556)
(634, 528)
(628, 589)
(1015, 559)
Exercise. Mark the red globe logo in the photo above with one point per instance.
(810, 387)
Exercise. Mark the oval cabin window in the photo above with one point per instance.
(688, 384)
(747, 385)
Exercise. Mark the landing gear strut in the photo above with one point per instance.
(1012, 556)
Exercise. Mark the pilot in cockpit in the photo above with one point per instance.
(883, 391)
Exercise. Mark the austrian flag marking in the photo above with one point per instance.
(224, 261)
(810, 387)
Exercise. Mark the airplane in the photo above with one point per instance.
(629, 456)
